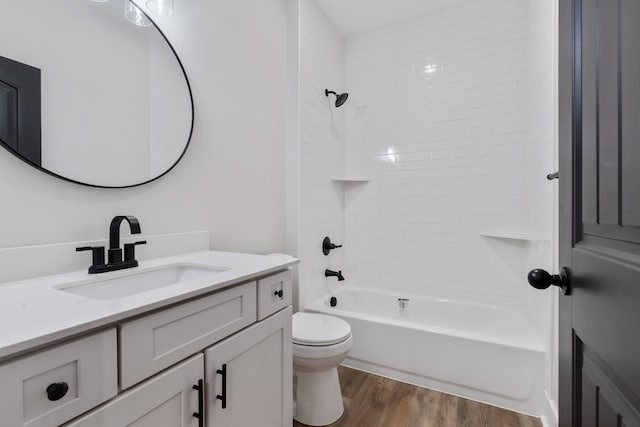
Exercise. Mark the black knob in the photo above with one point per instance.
(541, 279)
(279, 293)
(57, 391)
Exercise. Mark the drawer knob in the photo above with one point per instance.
(279, 293)
(57, 391)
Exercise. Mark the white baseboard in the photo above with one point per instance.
(28, 262)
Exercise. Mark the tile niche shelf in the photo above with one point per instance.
(513, 235)
(350, 179)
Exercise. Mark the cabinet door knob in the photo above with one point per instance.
(279, 293)
(57, 391)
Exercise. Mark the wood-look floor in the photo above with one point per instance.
(373, 401)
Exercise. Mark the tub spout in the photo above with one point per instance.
(331, 273)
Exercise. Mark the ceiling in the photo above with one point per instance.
(357, 16)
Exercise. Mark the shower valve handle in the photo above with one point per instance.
(327, 246)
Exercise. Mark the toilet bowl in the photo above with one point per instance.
(320, 344)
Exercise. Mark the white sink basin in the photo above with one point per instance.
(138, 281)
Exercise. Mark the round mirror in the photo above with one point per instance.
(91, 91)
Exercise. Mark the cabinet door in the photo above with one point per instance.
(166, 400)
(252, 371)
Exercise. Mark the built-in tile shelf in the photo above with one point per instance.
(350, 179)
(513, 235)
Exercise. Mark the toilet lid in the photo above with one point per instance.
(319, 329)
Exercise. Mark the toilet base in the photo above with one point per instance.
(318, 397)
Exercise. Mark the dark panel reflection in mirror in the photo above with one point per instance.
(20, 109)
(116, 106)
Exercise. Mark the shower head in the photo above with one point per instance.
(340, 99)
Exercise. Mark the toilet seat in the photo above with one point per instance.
(319, 330)
(323, 352)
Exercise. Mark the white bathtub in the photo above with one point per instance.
(471, 350)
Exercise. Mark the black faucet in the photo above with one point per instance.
(115, 258)
(115, 253)
(331, 273)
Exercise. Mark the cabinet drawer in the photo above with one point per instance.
(269, 299)
(155, 342)
(86, 366)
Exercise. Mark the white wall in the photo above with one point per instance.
(437, 119)
(541, 154)
(231, 181)
(321, 150)
(292, 196)
(245, 65)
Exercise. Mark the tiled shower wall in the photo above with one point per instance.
(321, 150)
(437, 120)
(452, 117)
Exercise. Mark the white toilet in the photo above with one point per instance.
(320, 344)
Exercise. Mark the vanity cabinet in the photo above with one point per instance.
(209, 362)
(249, 376)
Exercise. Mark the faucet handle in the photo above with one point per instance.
(97, 252)
(130, 250)
(327, 246)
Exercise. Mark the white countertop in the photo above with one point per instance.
(34, 313)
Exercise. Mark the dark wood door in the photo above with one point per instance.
(20, 110)
(599, 104)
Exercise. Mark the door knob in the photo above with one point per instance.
(541, 279)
